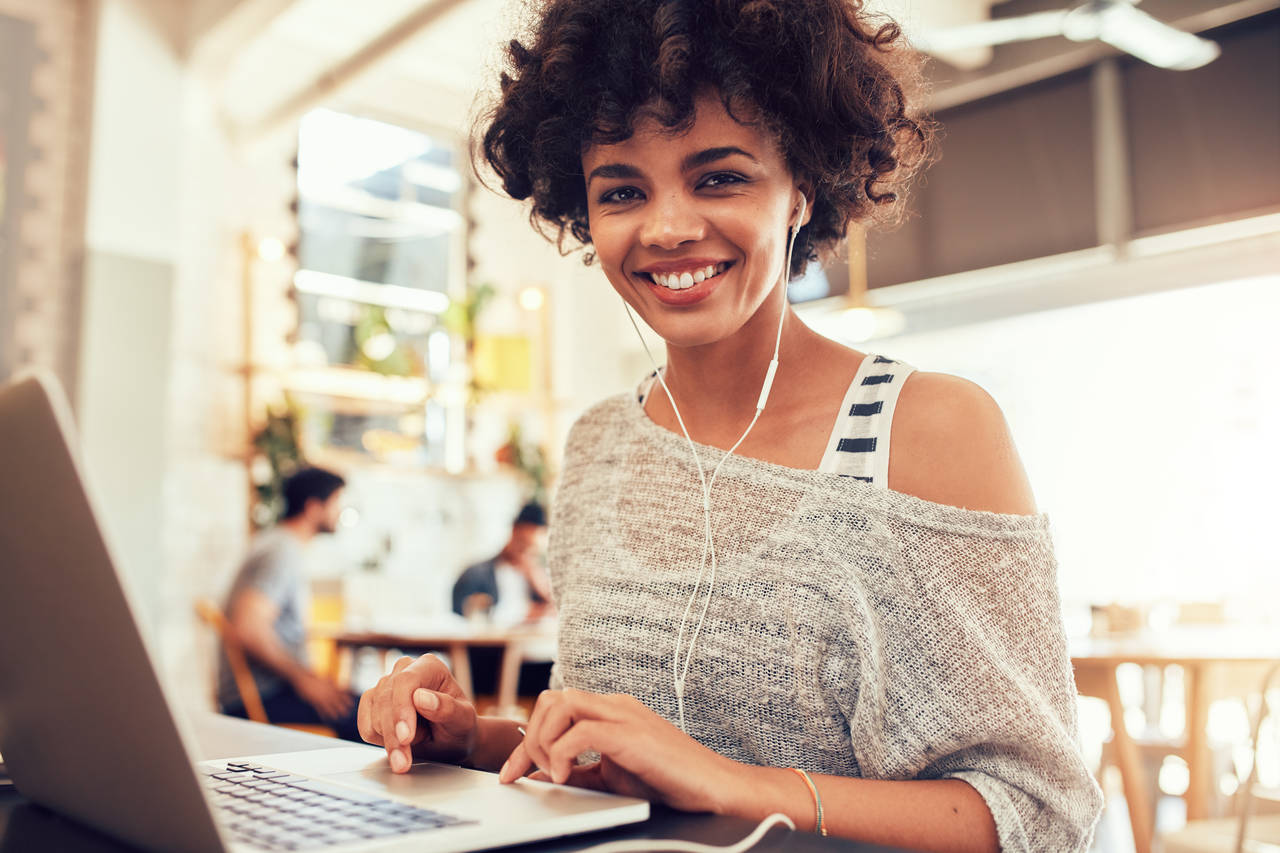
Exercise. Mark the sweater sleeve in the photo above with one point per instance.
(977, 682)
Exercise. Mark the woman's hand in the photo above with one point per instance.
(418, 708)
(641, 754)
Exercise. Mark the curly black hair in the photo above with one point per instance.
(829, 79)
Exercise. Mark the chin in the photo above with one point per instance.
(688, 335)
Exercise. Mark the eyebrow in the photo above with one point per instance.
(693, 161)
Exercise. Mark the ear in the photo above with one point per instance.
(803, 204)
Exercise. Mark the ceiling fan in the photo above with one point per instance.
(1119, 23)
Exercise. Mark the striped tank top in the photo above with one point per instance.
(859, 443)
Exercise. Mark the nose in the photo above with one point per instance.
(671, 219)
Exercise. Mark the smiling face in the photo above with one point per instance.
(691, 228)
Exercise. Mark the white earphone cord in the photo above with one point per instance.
(676, 846)
(678, 674)
(708, 549)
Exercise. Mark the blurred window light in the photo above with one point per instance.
(344, 149)
(386, 295)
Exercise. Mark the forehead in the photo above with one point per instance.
(712, 127)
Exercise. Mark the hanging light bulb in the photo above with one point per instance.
(859, 322)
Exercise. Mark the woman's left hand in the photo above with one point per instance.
(641, 754)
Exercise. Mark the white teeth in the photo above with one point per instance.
(683, 281)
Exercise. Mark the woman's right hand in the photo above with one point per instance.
(418, 709)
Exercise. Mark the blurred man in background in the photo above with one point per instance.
(267, 611)
(511, 588)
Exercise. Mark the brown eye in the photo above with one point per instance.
(620, 195)
(722, 179)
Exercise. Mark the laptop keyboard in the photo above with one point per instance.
(275, 810)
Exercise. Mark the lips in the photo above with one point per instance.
(683, 284)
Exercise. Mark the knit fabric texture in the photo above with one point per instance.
(852, 630)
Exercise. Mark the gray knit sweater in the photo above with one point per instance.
(852, 630)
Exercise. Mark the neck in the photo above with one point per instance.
(718, 385)
(301, 529)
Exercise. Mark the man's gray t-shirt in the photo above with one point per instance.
(275, 568)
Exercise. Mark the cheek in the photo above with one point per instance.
(610, 249)
(765, 251)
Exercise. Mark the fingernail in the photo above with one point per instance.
(402, 730)
(398, 761)
(560, 777)
(502, 774)
(428, 700)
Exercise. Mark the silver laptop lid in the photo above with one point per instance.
(85, 727)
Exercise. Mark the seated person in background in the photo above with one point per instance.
(266, 609)
(512, 589)
(514, 581)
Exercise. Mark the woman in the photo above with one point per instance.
(886, 623)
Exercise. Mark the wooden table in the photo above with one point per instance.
(26, 826)
(1217, 662)
(457, 642)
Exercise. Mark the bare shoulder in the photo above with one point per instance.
(950, 444)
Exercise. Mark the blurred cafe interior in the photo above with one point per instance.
(247, 238)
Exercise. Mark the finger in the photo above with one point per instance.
(451, 716)
(547, 700)
(563, 754)
(587, 776)
(616, 778)
(516, 765)
(582, 776)
(391, 709)
(363, 721)
(570, 707)
(404, 717)
(555, 720)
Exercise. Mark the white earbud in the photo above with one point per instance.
(786, 276)
(680, 674)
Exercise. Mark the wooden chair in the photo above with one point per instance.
(1247, 833)
(212, 616)
(1100, 683)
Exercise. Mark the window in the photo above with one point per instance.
(378, 254)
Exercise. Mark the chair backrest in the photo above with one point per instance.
(212, 616)
(1247, 790)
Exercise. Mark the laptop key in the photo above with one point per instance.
(340, 837)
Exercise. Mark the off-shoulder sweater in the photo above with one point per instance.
(852, 630)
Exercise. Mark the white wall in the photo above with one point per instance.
(1148, 427)
(136, 156)
(131, 237)
(159, 396)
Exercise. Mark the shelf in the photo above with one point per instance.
(362, 385)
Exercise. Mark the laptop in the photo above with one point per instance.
(86, 728)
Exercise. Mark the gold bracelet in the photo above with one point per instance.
(818, 825)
